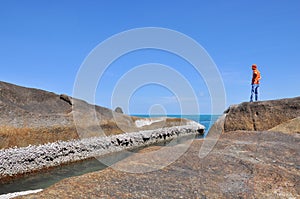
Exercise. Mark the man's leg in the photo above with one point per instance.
(252, 93)
(256, 92)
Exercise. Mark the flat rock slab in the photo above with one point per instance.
(242, 164)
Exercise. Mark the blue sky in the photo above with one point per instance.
(43, 44)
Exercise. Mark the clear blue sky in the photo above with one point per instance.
(43, 43)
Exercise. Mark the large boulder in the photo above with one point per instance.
(263, 115)
(39, 116)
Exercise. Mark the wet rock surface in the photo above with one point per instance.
(245, 164)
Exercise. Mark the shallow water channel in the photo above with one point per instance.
(48, 177)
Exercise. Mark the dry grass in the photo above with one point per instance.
(20, 137)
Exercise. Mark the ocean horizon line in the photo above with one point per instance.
(159, 115)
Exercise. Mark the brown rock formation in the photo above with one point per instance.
(33, 116)
(260, 116)
(242, 164)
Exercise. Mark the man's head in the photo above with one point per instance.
(254, 66)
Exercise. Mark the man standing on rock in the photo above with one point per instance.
(255, 83)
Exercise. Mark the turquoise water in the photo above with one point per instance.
(205, 120)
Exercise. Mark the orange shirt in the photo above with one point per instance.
(256, 77)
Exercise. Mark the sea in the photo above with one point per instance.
(36, 181)
(205, 120)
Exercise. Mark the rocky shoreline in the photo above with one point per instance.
(252, 153)
(252, 156)
(16, 161)
(243, 164)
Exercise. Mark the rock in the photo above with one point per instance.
(40, 117)
(262, 115)
(241, 165)
(291, 126)
(66, 98)
(146, 138)
(119, 110)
